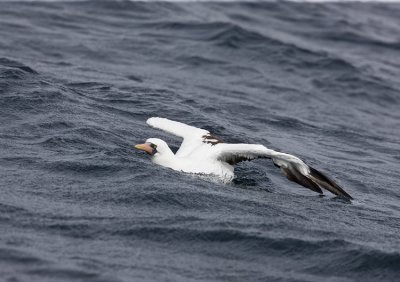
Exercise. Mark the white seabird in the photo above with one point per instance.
(202, 153)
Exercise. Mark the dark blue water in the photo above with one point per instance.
(79, 79)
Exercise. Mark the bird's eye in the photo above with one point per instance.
(154, 146)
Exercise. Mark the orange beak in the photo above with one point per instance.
(145, 147)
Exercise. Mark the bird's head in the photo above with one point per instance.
(154, 147)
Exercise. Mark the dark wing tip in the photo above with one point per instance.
(294, 175)
(327, 183)
(314, 181)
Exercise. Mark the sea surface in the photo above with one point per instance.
(78, 81)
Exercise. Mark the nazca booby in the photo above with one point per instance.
(202, 153)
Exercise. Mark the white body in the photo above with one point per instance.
(200, 161)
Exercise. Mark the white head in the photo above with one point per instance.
(157, 148)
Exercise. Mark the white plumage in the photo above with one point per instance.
(202, 153)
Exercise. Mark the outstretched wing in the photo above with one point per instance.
(192, 136)
(291, 166)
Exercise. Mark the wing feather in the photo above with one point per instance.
(176, 128)
(192, 136)
(291, 166)
(327, 183)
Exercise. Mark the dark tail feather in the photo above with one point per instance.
(327, 183)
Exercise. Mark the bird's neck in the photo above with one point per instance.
(167, 158)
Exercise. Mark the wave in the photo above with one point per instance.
(78, 80)
(349, 257)
(5, 62)
(11, 255)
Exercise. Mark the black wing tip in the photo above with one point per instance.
(329, 184)
(315, 180)
(294, 175)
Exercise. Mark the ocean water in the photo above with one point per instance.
(78, 81)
